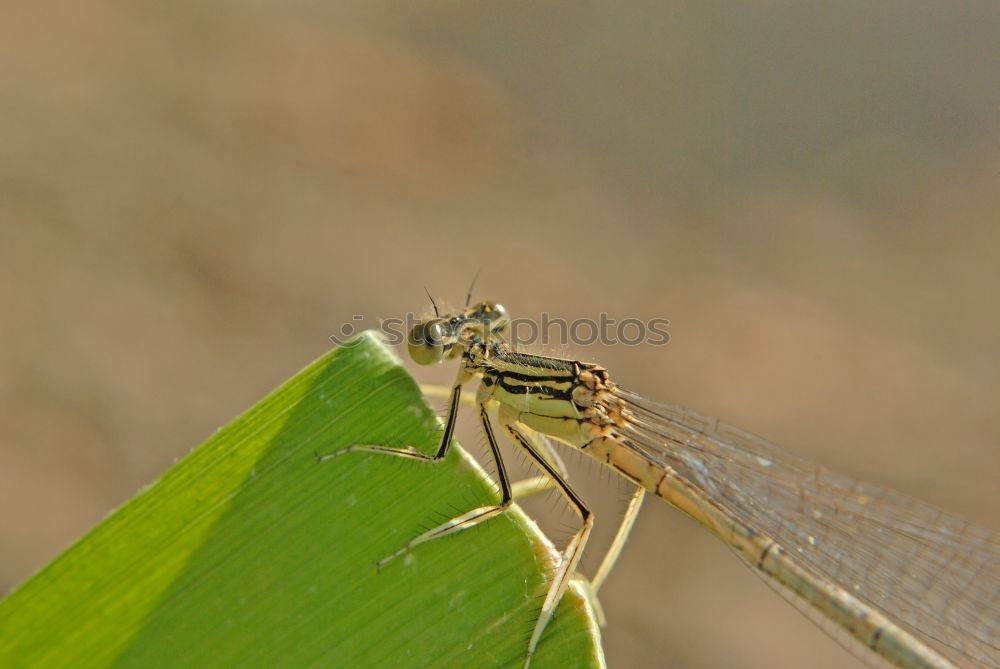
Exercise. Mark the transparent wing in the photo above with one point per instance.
(930, 572)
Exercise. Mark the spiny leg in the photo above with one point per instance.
(615, 549)
(536, 484)
(465, 520)
(519, 489)
(538, 440)
(611, 556)
(409, 451)
(545, 450)
(573, 551)
(475, 516)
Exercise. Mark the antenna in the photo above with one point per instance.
(433, 303)
(468, 296)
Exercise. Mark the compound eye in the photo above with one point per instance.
(497, 314)
(496, 318)
(426, 342)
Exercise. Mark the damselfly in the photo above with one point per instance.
(894, 579)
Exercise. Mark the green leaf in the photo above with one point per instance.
(250, 553)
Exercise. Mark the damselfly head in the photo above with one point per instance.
(437, 339)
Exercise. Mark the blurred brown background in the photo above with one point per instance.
(193, 196)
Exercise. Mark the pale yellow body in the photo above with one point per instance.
(589, 427)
